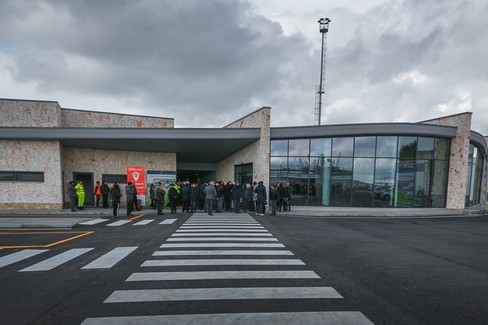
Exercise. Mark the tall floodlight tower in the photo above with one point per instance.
(323, 28)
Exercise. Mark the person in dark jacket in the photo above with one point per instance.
(194, 194)
(173, 198)
(159, 198)
(116, 194)
(261, 197)
(72, 196)
(237, 196)
(152, 196)
(105, 192)
(185, 197)
(129, 195)
(274, 197)
(247, 198)
(201, 196)
(287, 198)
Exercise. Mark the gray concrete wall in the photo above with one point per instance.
(257, 153)
(29, 113)
(77, 118)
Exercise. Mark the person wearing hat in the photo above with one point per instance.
(236, 196)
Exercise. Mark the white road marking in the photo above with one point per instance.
(57, 260)
(309, 318)
(143, 222)
(207, 262)
(123, 296)
(195, 224)
(221, 230)
(19, 256)
(93, 222)
(234, 239)
(221, 234)
(221, 227)
(221, 245)
(167, 221)
(222, 252)
(219, 275)
(118, 223)
(111, 258)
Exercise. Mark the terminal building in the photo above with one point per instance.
(438, 163)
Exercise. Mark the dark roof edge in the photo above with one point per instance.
(31, 100)
(480, 142)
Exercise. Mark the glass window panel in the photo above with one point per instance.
(320, 168)
(7, 176)
(299, 147)
(342, 147)
(299, 185)
(278, 163)
(384, 182)
(386, 146)
(407, 146)
(341, 182)
(320, 147)
(422, 184)
(364, 146)
(279, 148)
(425, 148)
(362, 182)
(112, 178)
(442, 149)
(405, 183)
(298, 165)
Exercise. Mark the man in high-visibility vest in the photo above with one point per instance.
(80, 193)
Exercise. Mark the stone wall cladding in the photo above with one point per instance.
(78, 119)
(258, 153)
(35, 156)
(101, 162)
(458, 161)
(27, 113)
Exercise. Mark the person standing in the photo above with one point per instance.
(98, 194)
(274, 197)
(247, 198)
(185, 197)
(173, 198)
(219, 187)
(80, 193)
(72, 195)
(115, 191)
(210, 197)
(194, 194)
(129, 195)
(152, 196)
(287, 198)
(105, 190)
(261, 196)
(236, 196)
(159, 199)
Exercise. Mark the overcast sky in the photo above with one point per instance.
(209, 62)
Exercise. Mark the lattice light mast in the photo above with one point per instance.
(323, 28)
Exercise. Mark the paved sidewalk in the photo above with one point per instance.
(66, 219)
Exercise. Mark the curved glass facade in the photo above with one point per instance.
(372, 171)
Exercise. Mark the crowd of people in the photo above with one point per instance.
(211, 197)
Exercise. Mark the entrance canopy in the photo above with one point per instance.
(190, 144)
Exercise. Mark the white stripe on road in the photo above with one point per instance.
(167, 221)
(309, 318)
(221, 221)
(222, 252)
(222, 234)
(234, 239)
(207, 262)
(197, 224)
(143, 222)
(124, 296)
(19, 256)
(221, 230)
(111, 258)
(118, 223)
(93, 222)
(220, 275)
(57, 260)
(221, 245)
(221, 227)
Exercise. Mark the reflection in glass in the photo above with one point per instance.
(405, 183)
(425, 148)
(341, 181)
(384, 182)
(319, 181)
(439, 183)
(422, 184)
(320, 147)
(386, 146)
(362, 182)
(342, 147)
(299, 147)
(298, 165)
(278, 163)
(407, 146)
(442, 148)
(364, 146)
(279, 147)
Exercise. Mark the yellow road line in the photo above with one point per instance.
(81, 234)
(136, 217)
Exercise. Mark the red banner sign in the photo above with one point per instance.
(135, 174)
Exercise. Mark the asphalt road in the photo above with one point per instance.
(355, 270)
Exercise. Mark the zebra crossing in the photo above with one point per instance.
(227, 249)
(118, 223)
(105, 261)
